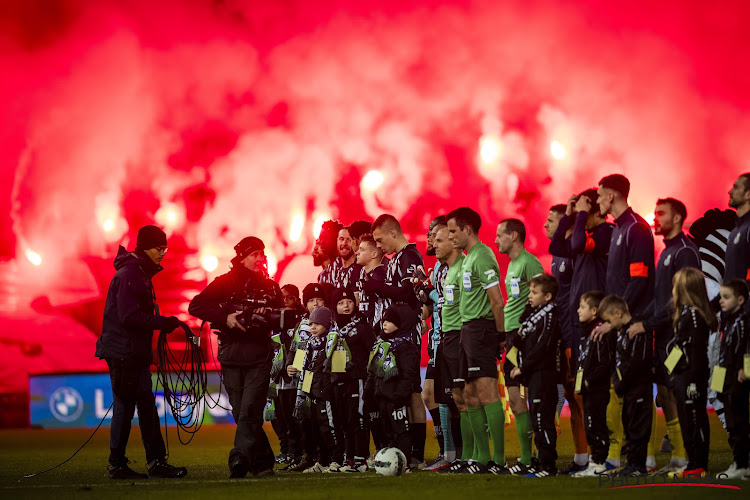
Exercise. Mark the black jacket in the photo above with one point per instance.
(630, 267)
(734, 344)
(214, 304)
(633, 360)
(359, 338)
(738, 251)
(130, 310)
(539, 338)
(321, 387)
(691, 335)
(597, 359)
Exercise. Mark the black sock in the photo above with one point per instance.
(418, 438)
(435, 414)
(456, 433)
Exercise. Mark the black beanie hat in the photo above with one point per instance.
(248, 245)
(340, 294)
(322, 316)
(391, 314)
(313, 291)
(150, 237)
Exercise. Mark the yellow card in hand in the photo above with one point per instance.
(579, 380)
(513, 356)
(717, 379)
(338, 363)
(674, 356)
(746, 365)
(307, 381)
(299, 359)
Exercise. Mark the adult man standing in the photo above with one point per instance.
(245, 351)
(130, 317)
(346, 268)
(679, 252)
(386, 231)
(738, 244)
(325, 251)
(481, 309)
(510, 240)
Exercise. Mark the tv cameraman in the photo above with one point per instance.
(245, 350)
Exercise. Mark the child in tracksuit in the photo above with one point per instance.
(693, 323)
(633, 382)
(294, 405)
(320, 390)
(538, 342)
(354, 337)
(735, 329)
(596, 360)
(393, 367)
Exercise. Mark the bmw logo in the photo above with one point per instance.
(66, 404)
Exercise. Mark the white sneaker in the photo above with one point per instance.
(315, 468)
(334, 467)
(354, 467)
(733, 473)
(439, 464)
(593, 470)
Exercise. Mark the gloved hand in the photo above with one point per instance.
(171, 323)
(692, 392)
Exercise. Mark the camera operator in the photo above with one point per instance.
(130, 318)
(245, 350)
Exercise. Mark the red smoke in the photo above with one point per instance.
(242, 115)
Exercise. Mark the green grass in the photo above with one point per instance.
(27, 451)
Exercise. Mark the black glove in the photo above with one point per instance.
(171, 323)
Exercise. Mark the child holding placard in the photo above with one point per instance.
(729, 378)
(688, 360)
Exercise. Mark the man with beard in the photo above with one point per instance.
(346, 269)
(738, 244)
(325, 250)
(679, 252)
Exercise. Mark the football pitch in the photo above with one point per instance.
(27, 451)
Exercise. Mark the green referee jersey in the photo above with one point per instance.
(520, 271)
(479, 272)
(450, 315)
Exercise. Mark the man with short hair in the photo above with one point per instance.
(369, 258)
(397, 288)
(510, 239)
(679, 252)
(130, 317)
(346, 268)
(737, 265)
(481, 309)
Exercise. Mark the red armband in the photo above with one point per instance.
(638, 270)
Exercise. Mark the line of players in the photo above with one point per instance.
(353, 370)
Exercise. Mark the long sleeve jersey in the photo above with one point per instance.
(633, 360)
(691, 336)
(539, 338)
(596, 358)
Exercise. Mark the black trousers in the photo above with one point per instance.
(396, 424)
(542, 398)
(286, 400)
(637, 406)
(595, 422)
(247, 388)
(131, 387)
(331, 449)
(693, 418)
(735, 400)
(349, 416)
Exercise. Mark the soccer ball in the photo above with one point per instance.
(390, 462)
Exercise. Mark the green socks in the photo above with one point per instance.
(496, 421)
(467, 436)
(523, 427)
(478, 420)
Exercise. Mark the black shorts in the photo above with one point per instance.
(443, 382)
(429, 373)
(661, 375)
(450, 358)
(478, 349)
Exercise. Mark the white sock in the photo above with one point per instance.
(450, 456)
(581, 458)
(650, 462)
(614, 461)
